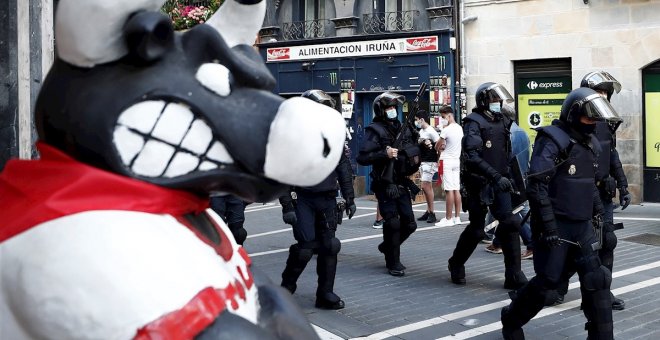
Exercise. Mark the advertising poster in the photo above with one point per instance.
(652, 128)
(539, 102)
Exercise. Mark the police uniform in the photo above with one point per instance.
(562, 229)
(394, 199)
(486, 148)
(314, 230)
(232, 211)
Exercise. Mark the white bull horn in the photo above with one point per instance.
(239, 21)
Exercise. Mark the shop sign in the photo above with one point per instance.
(354, 49)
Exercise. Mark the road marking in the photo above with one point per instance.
(496, 305)
(350, 240)
(495, 326)
(325, 335)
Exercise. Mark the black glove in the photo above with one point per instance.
(551, 238)
(624, 197)
(289, 217)
(504, 184)
(392, 191)
(350, 208)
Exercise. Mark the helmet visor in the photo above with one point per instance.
(598, 108)
(497, 92)
(602, 80)
(320, 97)
(391, 99)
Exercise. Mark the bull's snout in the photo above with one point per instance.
(305, 142)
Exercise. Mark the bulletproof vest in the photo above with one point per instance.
(408, 159)
(572, 187)
(328, 184)
(496, 147)
(605, 139)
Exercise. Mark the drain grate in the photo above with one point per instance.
(646, 238)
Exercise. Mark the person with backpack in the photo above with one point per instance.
(391, 167)
(566, 216)
(486, 178)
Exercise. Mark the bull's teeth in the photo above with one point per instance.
(128, 143)
(142, 116)
(198, 138)
(182, 164)
(173, 123)
(219, 153)
(153, 159)
(206, 165)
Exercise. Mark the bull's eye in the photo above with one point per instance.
(215, 77)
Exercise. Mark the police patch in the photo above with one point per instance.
(571, 170)
(488, 144)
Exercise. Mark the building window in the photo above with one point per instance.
(314, 9)
(390, 16)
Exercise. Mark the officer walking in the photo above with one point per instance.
(232, 210)
(312, 212)
(391, 166)
(565, 156)
(486, 149)
(609, 177)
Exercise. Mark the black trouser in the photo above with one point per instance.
(508, 232)
(232, 210)
(314, 231)
(399, 223)
(550, 264)
(606, 253)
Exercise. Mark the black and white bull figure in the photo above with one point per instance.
(107, 235)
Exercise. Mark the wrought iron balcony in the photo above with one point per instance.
(384, 22)
(304, 29)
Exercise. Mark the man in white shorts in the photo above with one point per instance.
(449, 148)
(428, 138)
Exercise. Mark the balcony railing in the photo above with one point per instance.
(304, 29)
(385, 22)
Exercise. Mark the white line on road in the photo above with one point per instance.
(491, 306)
(275, 251)
(495, 326)
(325, 335)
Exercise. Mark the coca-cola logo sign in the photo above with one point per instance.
(422, 44)
(278, 53)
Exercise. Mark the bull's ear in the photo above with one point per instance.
(148, 35)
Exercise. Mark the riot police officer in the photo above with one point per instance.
(232, 210)
(564, 199)
(486, 149)
(391, 166)
(609, 177)
(312, 212)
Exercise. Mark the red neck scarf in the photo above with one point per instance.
(36, 191)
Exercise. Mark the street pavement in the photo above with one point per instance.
(424, 304)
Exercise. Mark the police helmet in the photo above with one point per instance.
(385, 100)
(601, 81)
(489, 92)
(320, 97)
(586, 102)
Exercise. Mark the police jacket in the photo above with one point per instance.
(378, 136)
(562, 170)
(609, 163)
(486, 148)
(343, 175)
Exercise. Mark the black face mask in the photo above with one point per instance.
(586, 129)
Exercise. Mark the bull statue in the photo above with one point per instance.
(108, 235)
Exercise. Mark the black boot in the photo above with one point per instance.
(329, 301)
(617, 304)
(457, 273)
(514, 278)
(295, 265)
(510, 332)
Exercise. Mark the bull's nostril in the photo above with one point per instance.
(326, 147)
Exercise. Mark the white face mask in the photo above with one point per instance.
(391, 113)
(444, 122)
(418, 124)
(494, 107)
